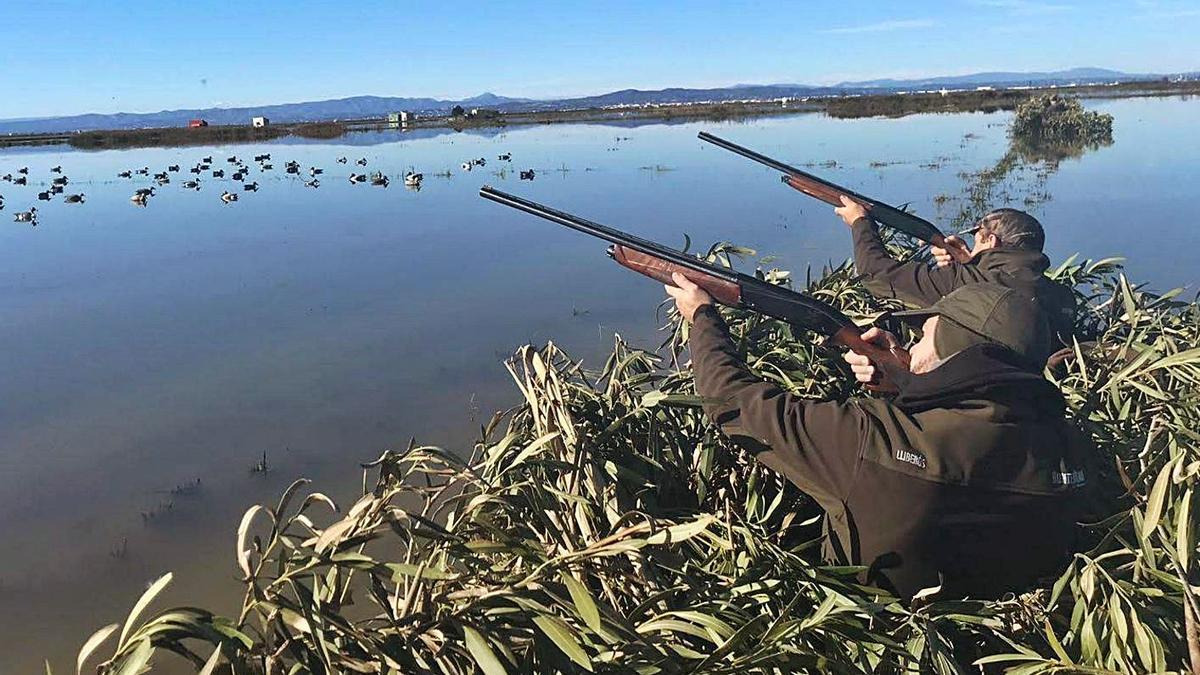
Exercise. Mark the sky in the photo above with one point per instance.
(60, 58)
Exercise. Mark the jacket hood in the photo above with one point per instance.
(977, 376)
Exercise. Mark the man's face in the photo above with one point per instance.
(983, 241)
(923, 356)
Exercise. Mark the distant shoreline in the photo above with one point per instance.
(843, 107)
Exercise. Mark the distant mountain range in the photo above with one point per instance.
(359, 107)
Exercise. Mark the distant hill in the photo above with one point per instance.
(1072, 75)
(358, 107)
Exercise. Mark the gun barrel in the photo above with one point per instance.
(609, 234)
(750, 154)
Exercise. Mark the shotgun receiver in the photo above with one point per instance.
(831, 193)
(725, 285)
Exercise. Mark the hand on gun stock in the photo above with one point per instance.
(955, 252)
(869, 373)
(688, 296)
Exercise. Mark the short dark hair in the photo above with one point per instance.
(1014, 229)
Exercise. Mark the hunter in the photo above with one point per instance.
(967, 481)
(1007, 251)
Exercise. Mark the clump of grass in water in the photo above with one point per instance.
(603, 524)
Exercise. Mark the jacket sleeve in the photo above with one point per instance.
(914, 282)
(816, 445)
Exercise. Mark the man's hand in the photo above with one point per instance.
(850, 210)
(957, 252)
(864, 370)
(688, 296)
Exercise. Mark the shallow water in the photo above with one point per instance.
(145, 348)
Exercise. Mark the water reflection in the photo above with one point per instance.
(304, 327)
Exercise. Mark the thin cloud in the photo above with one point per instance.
(884, 26)
(1023, 6)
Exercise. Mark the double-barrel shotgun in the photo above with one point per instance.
(831, 193)
(725, 285)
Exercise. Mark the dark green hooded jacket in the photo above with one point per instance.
(963, 480)
(919, 284)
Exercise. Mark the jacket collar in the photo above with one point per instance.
(1011, 260)
(985, 372)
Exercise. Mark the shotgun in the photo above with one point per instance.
(725, 285)
(831, 193)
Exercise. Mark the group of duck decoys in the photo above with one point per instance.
(235, 168)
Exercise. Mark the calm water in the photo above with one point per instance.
(145, 348)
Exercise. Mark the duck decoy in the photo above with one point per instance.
(174, 168)
(219, 173)
(341, 160)
(314, 183)
(74, 199)
(237, 176)
(26, 216)
(125, 174)
(207, 160)
(61, 180)
(357, 178)
(57, 189)
(44, 196)
(144, 192)
(192, 185)
(527, 175)
(413, 179)
(250, 187)
(314, 171)
(506, 157)
(362, 162)
(23, 170)
(56, 169)
(467, 166)
(232, 159)
(267, 167)
(380, 180)
(229, 197)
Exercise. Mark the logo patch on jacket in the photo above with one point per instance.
(912, 457)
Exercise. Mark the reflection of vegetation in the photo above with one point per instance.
(602, 525)
(1045, 130)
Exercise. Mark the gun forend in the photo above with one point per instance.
(723, 291)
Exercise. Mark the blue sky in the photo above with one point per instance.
(62, 58)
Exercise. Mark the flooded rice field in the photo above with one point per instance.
(165, 362)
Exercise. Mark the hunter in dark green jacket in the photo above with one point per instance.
(1007, 251)
(968, 479)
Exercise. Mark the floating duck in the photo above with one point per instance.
(56, 169)
(250, 187)
(59, 181)
(219, 173)
(238, 175)
(506, 157)
(44, 196)
(362, 162)
(23, 170)
(341, 160)
(20, 180)
(26, 216)
(144, 192)
(56, 189)
(128, 174)
(192, 185)
(314, 183)
(174, 168)
(266, 167)
(314, 171)
(467, 166)
(527, 175)
(380, 180)
(413, 179)
(357, 178)
(229, 197)
(232, 159)
(74, 199)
